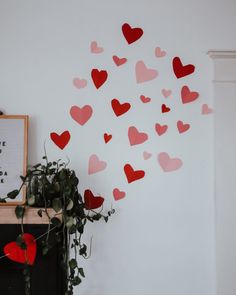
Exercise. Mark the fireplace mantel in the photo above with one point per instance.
(7, 216)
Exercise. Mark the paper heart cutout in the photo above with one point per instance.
(161, 129)
(146, 155)
(92, 202)
(206, 110)
(61, 140)
(180, 70)
(99, 77)
(15, 253)
(119, 108)
(187, 95)
(131, 34)
(136, 137)
(169, 164)
(118, 195)
(159, 52)
(164, 108)
(119, 61)
(81, 115)
(166, 93)
(79, 83)
(95, 48)
(182, 127)
(143, 74)
(131, 174)
(95, 165)
(107, 137)
(145, 99)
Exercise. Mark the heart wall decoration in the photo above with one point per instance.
(141, 121)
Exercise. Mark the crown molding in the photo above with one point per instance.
(222, 53)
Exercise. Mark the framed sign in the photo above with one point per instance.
(13, 155)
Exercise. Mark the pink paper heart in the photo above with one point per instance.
(81, 115)
(145, 99)
(161, 129)
(95, 165)
(136, 137)
(166, 93)
(95, 48)
(143, 74)
(159, 52)
(169, 164)
(79, 83)
(118, 195)
(182, 127)
(187, 95)
(146, 155)
(206, 110)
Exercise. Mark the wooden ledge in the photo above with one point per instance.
(7, 216)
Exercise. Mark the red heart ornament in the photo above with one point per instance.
(60, 140)
(161, 129)
(119, 61)
(165, 109)
(92, 202)
(131, 34)
(118, 108)
(180, 70)
(131, 174)
(15, 253)
(107, 137)
(99, 77)
(182, 127)
(187, 95)
(81, 115)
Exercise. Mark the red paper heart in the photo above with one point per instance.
(180, 70)
(187, 95)
(99, 77)
(118, 108)
(60, 140)
(182, 127)
(165, 109)
(161, 129)
(118, 195)
(131, 34)
(131, 174)
(92, 202)
(107, 137)
(119, 61)
(15, 253)
(145, 99)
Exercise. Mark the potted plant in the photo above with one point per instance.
(54, 185)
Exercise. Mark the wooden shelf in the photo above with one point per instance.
(7, 216)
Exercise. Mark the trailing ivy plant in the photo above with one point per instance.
(54, 185)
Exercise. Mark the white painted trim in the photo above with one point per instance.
(222, 53)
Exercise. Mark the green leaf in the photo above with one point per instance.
(21, 243)
(69, 222)
(56, 204)
(106, 218)
(83, 250)
(19, 211)
(72, 264)
(70, 205)
(56, 221)
(31, 200)
(13, 194)
(40, 213)
(76, 281)
(2, 200)
(81, 271)
(45, 250)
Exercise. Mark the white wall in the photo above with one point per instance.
(162, 238)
